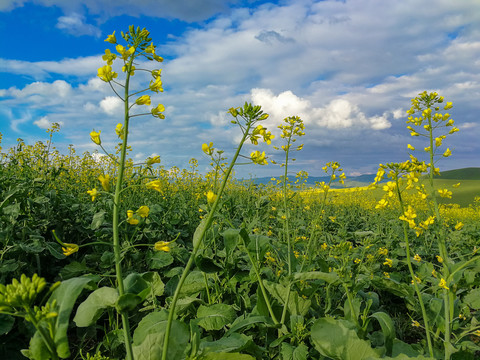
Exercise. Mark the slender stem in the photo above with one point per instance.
(116, 219)
(49, 343)
(286, 227)
(196, 246)
(412, 273)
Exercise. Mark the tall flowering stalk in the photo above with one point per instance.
(137, 47)
(435, 125)
(292, 128)
(246, 118)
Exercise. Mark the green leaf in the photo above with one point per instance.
(193, 283)
(338, 339)
(155, 283)
(92, 308)
(149, 336)
(226, 356)
(53, 249)
(199, 232)
(206, 264)
(6, 323)
(296, 304)
(388, 329)
(66, 295)
(472, 299)
(160, 260)
(215, 317)
(128, 302)
(240, 323)
(330, 277)
(289, 352)
(38, 350)
(230, 241)
(227, 344)
(98, 220)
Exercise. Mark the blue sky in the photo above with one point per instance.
(348, 68)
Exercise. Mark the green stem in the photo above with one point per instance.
(49, 343)
(196, 246)
(287, 229)
(412, 273)
(262, 287)
(116, 219)
(350, 303)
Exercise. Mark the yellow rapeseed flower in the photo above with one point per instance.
(157, 111)
(162, 246)
(415, 323)
(459, 225)
(211, 197)
(143, 211)
(153, 160)
(443, 284)
(439, 259)
(95, 137)
(120, 131)
(106, 74)
(143, 100)
(69, 249)
(111, 38)
(258, 158)
(131, 219)
(388, 262)
(155, 185)
(93, 193)
(105, 181)
(417, 258)
(208, 148)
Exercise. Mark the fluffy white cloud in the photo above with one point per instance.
(45, 123)
(337, 114)
(75, 25)
(40, 70)
(112, 105)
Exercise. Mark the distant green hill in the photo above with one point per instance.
(471, 173)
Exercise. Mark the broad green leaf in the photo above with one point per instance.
(66, 295)
(296, 304)
(98, 220)
(38, 350)
(330, 277)
(149, 335)
(160, 259)
(128, 302)
(6, 323)
(155, 283)
(240, 323)
(53, 249)
(92, 308)
(227, 344)
(134, 284)
(215, 317)
(338, 340)
(206, 264)
(199, 232)
(193, 283)
(230, 241)
(388, 329)
(226, 356)
(472, 299)
(289, 352)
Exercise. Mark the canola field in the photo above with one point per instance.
(104, 258)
